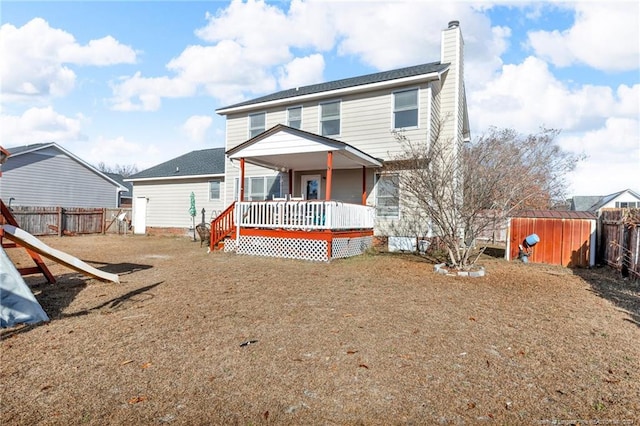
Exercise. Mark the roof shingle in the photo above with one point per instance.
(346, 83)
(194, 163)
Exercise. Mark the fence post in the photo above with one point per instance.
(59, 221)
(104, 221)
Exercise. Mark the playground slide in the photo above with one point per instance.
(27, 240)
(17, 304)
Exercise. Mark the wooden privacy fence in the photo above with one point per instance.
(619, 244)
(72, 220)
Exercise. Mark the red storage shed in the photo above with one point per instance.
(567, 238)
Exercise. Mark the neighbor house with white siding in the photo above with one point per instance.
(162, 193)
(47, 175)
(304, 168)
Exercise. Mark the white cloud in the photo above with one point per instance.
(196, 127)
(528, 95)
(302, 72)
(37, 125)
(139, 93)
(244, 57)
(597, 121)
(36, 59)
(604, 36)
(101, 52)
(613, 161)
(112, 151)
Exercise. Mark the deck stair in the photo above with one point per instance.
(222, 227)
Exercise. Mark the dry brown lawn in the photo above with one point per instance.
(374, 340)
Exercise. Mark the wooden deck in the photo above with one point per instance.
(310, 230)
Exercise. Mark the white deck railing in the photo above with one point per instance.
(307, 215)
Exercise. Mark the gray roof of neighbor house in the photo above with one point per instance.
(120, 179)
(204, 162)
(433, 67)
(584, 202)
(24, 149)
(33, 147)
(595, 202)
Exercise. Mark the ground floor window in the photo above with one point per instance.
(388, 195)
(259, 188)
(214, 189)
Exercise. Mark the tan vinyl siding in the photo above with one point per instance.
(233, 173)
(366, 121)
(435, 109)
(451, 100)
(169, 201)
(51, 179)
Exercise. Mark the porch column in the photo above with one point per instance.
(329, 174)
(364, 185)
(242, 179)
(290, 182)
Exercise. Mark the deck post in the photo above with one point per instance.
(329, 174)
(290, 182)
(364, 185)
(241, 179)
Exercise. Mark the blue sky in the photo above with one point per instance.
(138, 82)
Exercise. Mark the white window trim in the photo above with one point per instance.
(378, 176)
(219, 180)
(393, 108)
(333, 101)
(249, 123)
(301, 114)
(247, 190)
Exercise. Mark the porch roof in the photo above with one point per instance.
(285, 148)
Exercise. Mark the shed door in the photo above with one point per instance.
(140, 219)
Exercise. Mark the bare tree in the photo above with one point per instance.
(125, 170)
(466, 188)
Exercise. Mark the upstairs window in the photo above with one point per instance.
(294, 117)
(330, 118)
(256, 124)
(627, 204)
(388, 195)
(405, 109)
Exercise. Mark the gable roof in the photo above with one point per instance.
(25, 149)
(120, 179)
(282, 147)
(608, 198)
(201, 163)
(17, 150)
(431, 69)
(584, 202)
(595, 202)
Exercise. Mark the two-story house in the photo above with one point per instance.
(305, 167)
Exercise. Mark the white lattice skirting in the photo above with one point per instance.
(290, 248)
(348, 247)
(229, 245)
(299, 248)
